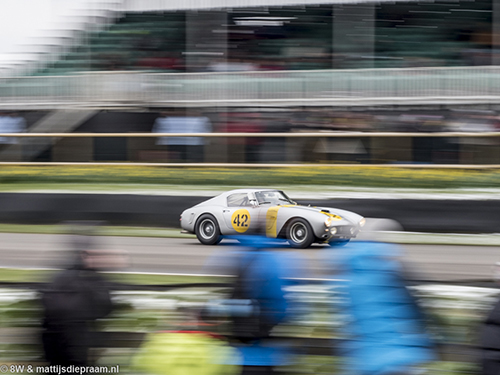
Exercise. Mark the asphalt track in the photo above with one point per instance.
(187, 256)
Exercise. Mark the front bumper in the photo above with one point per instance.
(342, 232)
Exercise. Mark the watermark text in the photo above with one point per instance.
(57, 369)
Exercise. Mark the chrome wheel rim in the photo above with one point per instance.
(207, 229)
(298, 232)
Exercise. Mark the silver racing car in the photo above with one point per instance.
(247, 210)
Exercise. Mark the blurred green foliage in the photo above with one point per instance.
(390, 176)
(452, 319)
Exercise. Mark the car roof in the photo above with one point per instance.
(221, 198)
(248, 190)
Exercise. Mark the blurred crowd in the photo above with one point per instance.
(261, 149)
(322, 119)
(255, 149)
(412, 34)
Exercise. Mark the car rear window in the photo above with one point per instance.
(238, 199)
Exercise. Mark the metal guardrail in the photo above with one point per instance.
(256, 165)
(261, 135)
(458, 85)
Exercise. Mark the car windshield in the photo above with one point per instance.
(272, 197)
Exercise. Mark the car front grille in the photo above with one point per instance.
(344, 230)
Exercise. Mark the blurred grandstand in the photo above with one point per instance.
(369, 66)
(315, 35)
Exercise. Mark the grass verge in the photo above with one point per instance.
(368, 176)
(103, 231)
(16, 275)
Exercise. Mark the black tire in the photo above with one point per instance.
(299, 234)
(338, 243)
(207, 230)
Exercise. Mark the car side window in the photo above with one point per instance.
(266, 197)
(237, 200)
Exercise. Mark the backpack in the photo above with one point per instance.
(263, 297)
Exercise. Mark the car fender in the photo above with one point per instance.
(191, 216)
(285, 214)
(316, 219)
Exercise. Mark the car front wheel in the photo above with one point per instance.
(207, 230)
(299, 234)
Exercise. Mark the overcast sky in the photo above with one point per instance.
(20, 19)
(27, 22)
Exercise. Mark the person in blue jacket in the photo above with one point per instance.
(384, 329)
(258, 301)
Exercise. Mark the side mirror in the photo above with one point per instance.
(254, 202)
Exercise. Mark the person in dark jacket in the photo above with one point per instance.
(72, 302)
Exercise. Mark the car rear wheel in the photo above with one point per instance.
(207, 230)
(299, 234)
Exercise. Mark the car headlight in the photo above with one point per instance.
(333, 230)
(328, 221)
(362, 222)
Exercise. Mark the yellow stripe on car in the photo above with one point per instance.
(334, 217)
(271, 219)
(330, 218)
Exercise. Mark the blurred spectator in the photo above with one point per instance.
(72, 303)
(384, 329)
(271, 64)
(11, 123)
(232, 65)
(489, 341)
(245, 123)
(274, 149)
(161, 61)
(472, 122)
(189, 149)
(185, 352)
(258, 302)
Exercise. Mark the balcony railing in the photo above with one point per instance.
(278, 88)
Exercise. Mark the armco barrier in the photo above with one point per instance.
(445, 216)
